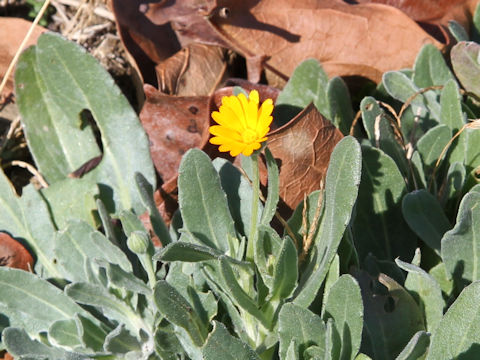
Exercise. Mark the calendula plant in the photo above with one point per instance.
(380, 263)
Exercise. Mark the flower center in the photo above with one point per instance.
(249, 136)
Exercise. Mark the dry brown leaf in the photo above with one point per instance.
(431, 11)
(174, 125)
(346, 39)
(188, 20)
(148, 43)
(195, 70)
(6, 356)
(12, 33)
(302, 148)
(13, 254)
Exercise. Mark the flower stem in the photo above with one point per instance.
(254, 212)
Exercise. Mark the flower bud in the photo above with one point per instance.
(138, 242)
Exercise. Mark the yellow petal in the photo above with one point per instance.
(249, 149)
(264, 118)
(217, 140)
(226, 117)
(242, 99)
(225, 132)
(224, 148)
(235, 151)
(235, 105)
(253, 96)
(251, 112)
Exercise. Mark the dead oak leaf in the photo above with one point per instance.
(12, 32)
(346, 39)
(148, 43)
(302, 148)
(13, 254)
(173, 125)
(431, 11)
(194, 70)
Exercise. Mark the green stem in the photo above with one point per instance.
(148, 265)
(254, 213)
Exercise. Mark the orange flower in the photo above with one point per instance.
(242, 126)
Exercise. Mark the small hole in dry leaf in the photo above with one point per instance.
(193, 109)
(224, 12)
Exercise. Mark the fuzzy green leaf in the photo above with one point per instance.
(379, 227)
(272, 190)
(416, 347)
(187, 252)
(380, 131)
(466, 65)
(458, 31)
(344, 305)
(176, 309)
(300, 325)
(461, 245)
(341, 189)
(391, 317)
(203, 203)
(79, 243)
(267, 247)
(340, 104)
(238, 295)
(432, 143)
(21, 346)
(307, 84)
(458, 334)
(120, 341)
(33, 303)
(221, 345)
(64, 333)
(239, 194)
(158, 224)
(285, 270)
(112, 307)
(430, 68)
(57, 81)
(426, 291)
(401, 87)
(38, 231)
(425, 217)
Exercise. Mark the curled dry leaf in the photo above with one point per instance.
(188, 20)
(346, 39)
(195, 70)
(13, 254)
(12, 32)
(174, 125)
(148, 43)
(302, 148)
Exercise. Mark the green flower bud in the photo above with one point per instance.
(138, 242)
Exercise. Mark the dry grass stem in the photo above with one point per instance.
(419, 92)
(23, 44)
(307, 243)
(358, 115)
(473, 124)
